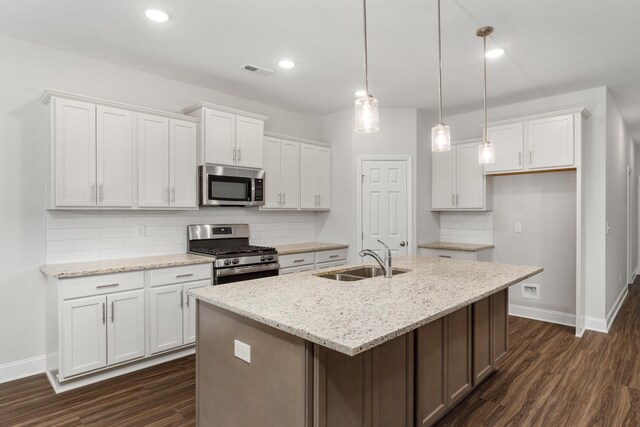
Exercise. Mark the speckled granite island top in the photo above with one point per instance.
(450, 246)
(352, 317)
(92, 268)
(298, 248)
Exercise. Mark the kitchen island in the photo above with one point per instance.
(304, 350)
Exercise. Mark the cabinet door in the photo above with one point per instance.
(189, 311)
(166, 318)
(125, 334)
(482, 340)
(74, 139)
(459, 377)
(509, 142)
(182, 164)
(114, 157)
(551, 142)
(323, 177)
(443, 180)
(499, 312)
(153, 161)
(469, 178)
(431, 369)
(219, 137)
(308, 193)
(249, 136)
(84, 336)
(271, 156)
(290, 174)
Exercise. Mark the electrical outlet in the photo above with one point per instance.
(518, 227)
(242, 351)
(530, 291)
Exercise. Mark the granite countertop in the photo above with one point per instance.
(468, 247)
(298, 248)
(92, 268)
(352, 317)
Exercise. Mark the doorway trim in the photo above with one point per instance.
(408, 159)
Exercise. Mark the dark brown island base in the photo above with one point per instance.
(312, 373)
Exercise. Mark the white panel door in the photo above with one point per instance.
(182, 164)
(509, 145)
(125, 332)
(114, 144)
(323, 177)
(84, 346)
(153, 161)
(189, 311)
(166, 318)
(308, 193)
(443, 186)
(74, 142)
(249, 136)
(290, 174)
(551, 142)
(469, 178)
(385, 214)
(219, 137)
(271, 157)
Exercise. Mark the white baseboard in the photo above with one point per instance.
(595, 324)
(542, 314)
(611, 316)
(22, 368)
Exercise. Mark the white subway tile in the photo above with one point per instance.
(85, 245)
(117, 232)
(59, 246)
(176, 230)
(60, 222)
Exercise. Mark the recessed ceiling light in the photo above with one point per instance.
(494, 53)
(287, 64)
(361, 93)
(157, 15)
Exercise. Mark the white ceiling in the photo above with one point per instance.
(553, 46)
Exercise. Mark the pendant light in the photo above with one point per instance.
(486, 151)
(367, 105)
(440, 133)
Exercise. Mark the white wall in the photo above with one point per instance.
(428, 226)
(397, 136)
(28, 70)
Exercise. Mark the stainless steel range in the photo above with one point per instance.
(235, 259)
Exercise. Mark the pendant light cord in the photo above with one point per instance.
(439, 66)
(366, 73)
(485, 87)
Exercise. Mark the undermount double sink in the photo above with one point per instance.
(358, 273)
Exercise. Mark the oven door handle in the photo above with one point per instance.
(235, 271)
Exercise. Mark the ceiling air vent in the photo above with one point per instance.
(256, 70)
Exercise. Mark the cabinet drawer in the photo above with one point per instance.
(330, 256)
(295, 260)
(103, 284)
(444, 253)
(289, 270)
(187, 273)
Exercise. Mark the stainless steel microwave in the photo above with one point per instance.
(231, 186)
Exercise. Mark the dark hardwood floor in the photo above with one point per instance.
(550, 378)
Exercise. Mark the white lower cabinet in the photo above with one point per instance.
(481, 255)
(84, 333)
(309, 261)
(125, 326)
(172, 316)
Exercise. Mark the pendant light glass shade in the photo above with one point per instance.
(440, 138)
(486, 153)
(486, 150)
(440, 133)
(367, 115)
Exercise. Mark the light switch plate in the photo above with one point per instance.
(518, 227)
(242, 351)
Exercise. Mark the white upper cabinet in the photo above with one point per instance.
(457, 179)
(282, 173)
(543, 142)
(551, 142)
(323, 177)
(74, 151)
(107, 155)
(114, 157)
(182, 164)
(509, 144)
(227, 136)
(272, 162)
(153, 161)
(315, 173)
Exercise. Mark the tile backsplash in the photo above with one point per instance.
(466, 227)
(73, 236)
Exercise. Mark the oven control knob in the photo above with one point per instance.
(227, 262)
(270, 257)
(235, 260)
(263, 258)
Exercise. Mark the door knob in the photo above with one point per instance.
(403, 243)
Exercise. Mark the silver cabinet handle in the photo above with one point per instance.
(113, 312)
(179, 276)
(239, 155)
(453, 199)
(104, 314)
(457, 199)
(101, 192)
(519, 159)
(234, 154)
(530, 156)
(93, 192)
(181, 301)
(188, 300)
(173, 194)
(284, 198)
(444, 256)
(298, 260)
(334, 256)
(110, 285)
